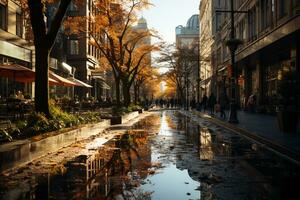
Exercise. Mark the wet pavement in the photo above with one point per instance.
(164, 156)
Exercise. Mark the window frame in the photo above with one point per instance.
(3, 22)
(19, 24)
(74, 47)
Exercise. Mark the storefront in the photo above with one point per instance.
(263, 70)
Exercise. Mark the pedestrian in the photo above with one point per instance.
(211, 103)
(223, 100)
(251, 103)
(204, 102)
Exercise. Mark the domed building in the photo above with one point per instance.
(189, 34)
(142, 26)
(193, 23)
(142, 23)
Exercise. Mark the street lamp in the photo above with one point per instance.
(233, 44)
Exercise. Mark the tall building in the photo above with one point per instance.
(187, 38)
(205, 47)
(189, 34)
(142, 26)
(76, 50)
(271, 44)
(14, 48)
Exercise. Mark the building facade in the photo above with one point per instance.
(206, 42)
(270, 33)
(77, 51)
(14, 48)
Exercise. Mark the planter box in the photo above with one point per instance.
(19, 152)
(124, 118)
(140, 111)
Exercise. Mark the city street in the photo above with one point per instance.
(149, 99)
(166, 155)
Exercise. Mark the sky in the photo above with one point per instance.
(165, 15)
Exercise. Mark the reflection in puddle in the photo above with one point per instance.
(205, 150)
(172, 183)
(166, 156)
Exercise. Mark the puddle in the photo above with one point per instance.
(165, 156)
(172, 183)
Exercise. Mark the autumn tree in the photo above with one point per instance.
(147, 81)
(181, 63)
(124, 46)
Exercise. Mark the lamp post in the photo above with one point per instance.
(233, 44)
(198, 75)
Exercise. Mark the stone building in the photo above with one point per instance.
(205, 45)
(76, 50)
(14, 48)
(270, 33)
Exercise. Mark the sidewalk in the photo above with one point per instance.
(262, 126)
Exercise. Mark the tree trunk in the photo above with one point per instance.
(135, 93)
(126, 94)
(41, 80)
(138, 93)
(117, 82)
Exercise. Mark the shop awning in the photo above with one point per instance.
(17, 72)
(79, 82)
(23, 74)
(61, 80)
(96, 74)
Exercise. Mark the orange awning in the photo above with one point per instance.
(79, 82)
(25, 75)
(61, 80)
(17, 72)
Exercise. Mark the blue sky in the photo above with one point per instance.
(165, 15)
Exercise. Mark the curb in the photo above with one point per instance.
(24, 151)
(271, 145)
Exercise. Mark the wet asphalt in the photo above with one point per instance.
(165, 156)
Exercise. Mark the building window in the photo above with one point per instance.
(74, 47)
(19, 25)
(252, 24)
(282, 8)
(3, 17)
(73, 6)
(218, 21)
(265, 14)
(296, 6)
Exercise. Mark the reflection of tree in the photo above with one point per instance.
(128, 163)
(121, 158)
(152, 122)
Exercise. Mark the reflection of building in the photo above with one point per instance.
(271, 44)
(13, 46)
(205, 149)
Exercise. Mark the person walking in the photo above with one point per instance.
(223, 100)
(204, 102)
(211, 103)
